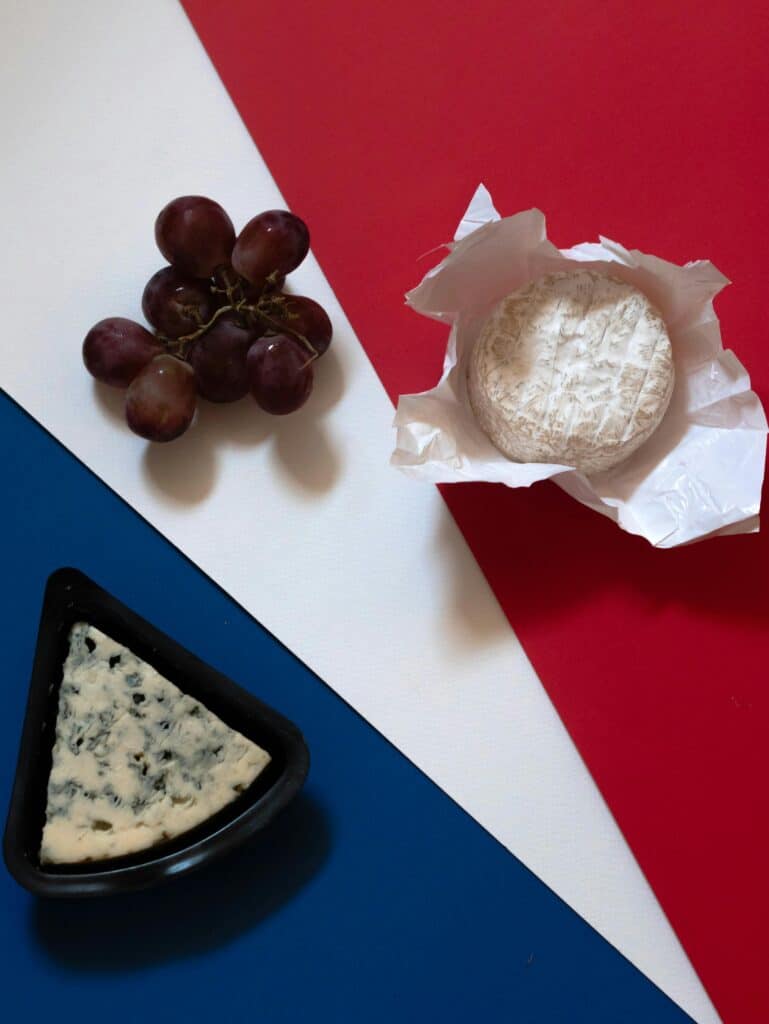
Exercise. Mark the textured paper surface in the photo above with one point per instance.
(656, 659)
(316, 541)
(700, 472)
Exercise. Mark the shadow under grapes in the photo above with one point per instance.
(186, 470)
(110, 400)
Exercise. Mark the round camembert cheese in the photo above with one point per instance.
(575, 368)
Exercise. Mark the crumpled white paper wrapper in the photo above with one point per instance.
(701, 471)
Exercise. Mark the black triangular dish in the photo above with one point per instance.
(71, 597)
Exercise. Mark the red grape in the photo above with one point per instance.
(308, 318)
(160, 401)
(272, 241)
(219, 360)
(195, 235)
(280, 373)
(177, 304)
(116, 349)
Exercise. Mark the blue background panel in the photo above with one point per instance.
(373, 898)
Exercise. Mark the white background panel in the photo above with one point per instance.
(108, 110)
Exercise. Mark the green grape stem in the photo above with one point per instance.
(180, 346)
(280, 328)
(231, 288)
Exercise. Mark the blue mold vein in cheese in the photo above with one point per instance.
(135, 762)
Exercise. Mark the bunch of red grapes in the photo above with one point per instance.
(223, 325)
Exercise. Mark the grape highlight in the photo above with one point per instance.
(160, 401)
(195, 235)
(116, 349)
(176, 304)
(274, 241)
(280, 374)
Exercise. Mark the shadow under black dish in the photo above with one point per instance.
(71, 597)
(201, 912)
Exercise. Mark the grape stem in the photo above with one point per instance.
(280, 328)
(179, 346)
(230, 287)
(187, 339)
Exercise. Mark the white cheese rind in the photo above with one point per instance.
(136, 761)
(575, 368)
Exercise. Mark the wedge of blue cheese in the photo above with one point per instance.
(135, 762)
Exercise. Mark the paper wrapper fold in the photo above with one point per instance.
(701, 471)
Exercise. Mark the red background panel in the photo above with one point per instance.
(644, 122)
